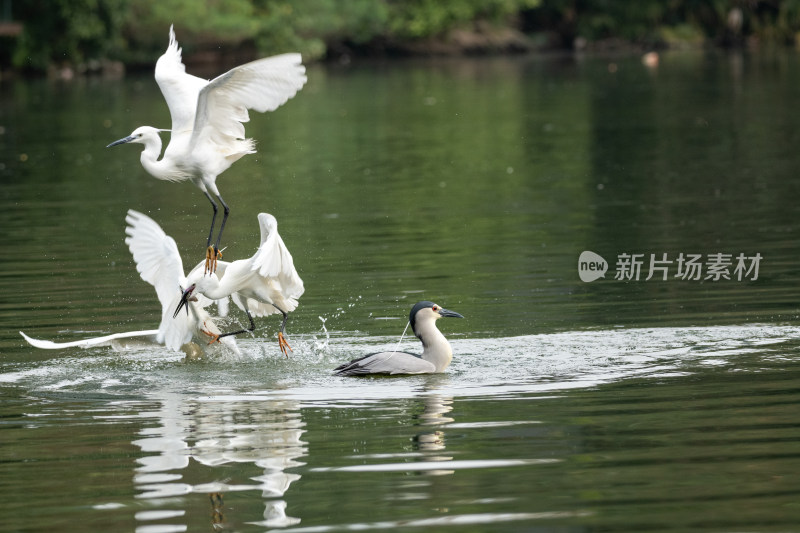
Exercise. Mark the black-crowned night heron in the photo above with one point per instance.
(436, 352)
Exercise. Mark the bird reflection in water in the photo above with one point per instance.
(217, 517)
(432, 440)
(265, 433)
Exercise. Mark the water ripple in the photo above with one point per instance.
(424, 466)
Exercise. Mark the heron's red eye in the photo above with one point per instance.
(435, 307)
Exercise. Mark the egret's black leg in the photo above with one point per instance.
(285, 318)
(225, 213)
(213, 217)
(246, 330)
(212, 252)
(281, 338)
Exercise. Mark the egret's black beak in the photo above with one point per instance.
(447, 312)
(185, 298)
(124, 140)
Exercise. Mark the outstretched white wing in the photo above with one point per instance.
(180, 89)
(88, 343)
(156, 255)
(159, 264)
(261, 85)
(273, 259)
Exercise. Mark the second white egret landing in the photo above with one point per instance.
(436, 352)
(207, 134)
(264, 284)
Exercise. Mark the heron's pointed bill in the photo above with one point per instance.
(447, 312)
(124, 140)
(185, 298)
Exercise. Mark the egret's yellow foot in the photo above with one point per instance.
(283, 344)
(214, 336)
(212, 255)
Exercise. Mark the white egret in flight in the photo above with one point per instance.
(436, 352)
(207, 134)
(264, 284)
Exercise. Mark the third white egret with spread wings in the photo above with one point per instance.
(207, 134)
(264, 284)
(159, 263)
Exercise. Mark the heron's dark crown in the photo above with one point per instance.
(414, 310)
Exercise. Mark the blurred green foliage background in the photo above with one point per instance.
(38, 34)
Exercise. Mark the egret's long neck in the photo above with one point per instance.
(210, 287)
(214, 288)
(149, 157)
(436, 349)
